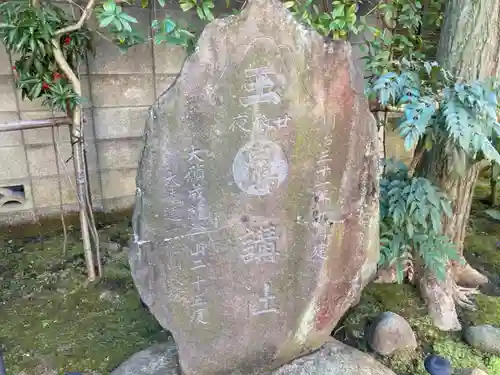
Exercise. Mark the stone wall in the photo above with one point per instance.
(119, 88)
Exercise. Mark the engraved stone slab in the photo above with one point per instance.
(256, 218)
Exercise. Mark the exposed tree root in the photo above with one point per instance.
(467, 276)
(443, 298)
(439, 297)
(461, 296)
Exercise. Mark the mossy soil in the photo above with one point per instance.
(52, 319)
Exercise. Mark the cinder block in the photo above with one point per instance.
(119, 153)
(88, 124)
(12, 138)
(42, 160)
(168, 58)
(14, 165)
(28, 199)
(122, 90)
(118, 183)
(86, 92)
(16, 217)
(137, 60)
(5, 65)
(91, 152)
(95, 186)
(55, 211)
(28, 105)
(7, 94)
(118, 204)
(44, 135)
(46, 190)
(120, 122)
(163, 82)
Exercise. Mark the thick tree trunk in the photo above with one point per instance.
(468, 47)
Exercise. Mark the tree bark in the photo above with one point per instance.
(468, 47)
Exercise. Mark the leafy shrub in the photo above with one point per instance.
(436, 106)
(410, 210)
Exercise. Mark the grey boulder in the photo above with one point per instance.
(391, 332)
(334, 358)
(485, 338)
(159, 359)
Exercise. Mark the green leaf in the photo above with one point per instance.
(37, 89)
(117, 24)
(169, 25)
(127, 17)
(106, 21)
(109, 6)
(207, 11)
(186, 6)
(162, 3)
(126, 26)
(201, 15)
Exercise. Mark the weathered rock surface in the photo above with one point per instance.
(390, 332)
(334, 358)
(256, 219)
(485, 338)
(159, 359)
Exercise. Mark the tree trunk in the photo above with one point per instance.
(494, 185)
(468, 47)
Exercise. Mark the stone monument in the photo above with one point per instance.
(256, 217)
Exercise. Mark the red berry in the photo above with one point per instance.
(13, 68)
(67, 40)
(45, 86)
(56, 76)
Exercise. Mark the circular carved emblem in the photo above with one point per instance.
(260, 167)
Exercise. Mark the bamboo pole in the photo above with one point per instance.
(35, 124)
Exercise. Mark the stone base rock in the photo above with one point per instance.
(334, 358)
(159, 359)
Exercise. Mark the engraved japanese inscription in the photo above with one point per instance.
(260, 167)
(240, 246)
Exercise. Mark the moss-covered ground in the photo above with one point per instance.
(52, 319)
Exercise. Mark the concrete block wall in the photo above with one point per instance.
(119, 89)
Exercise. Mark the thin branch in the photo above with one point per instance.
(61, 200)
(85, 15)
(76, 134)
